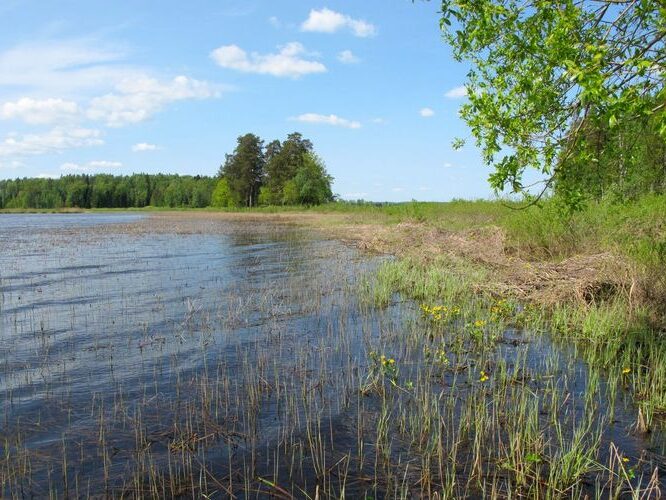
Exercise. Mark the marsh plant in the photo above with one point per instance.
(272, 362)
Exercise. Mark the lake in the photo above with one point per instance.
(177, 355)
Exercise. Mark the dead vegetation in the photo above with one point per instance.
(582, 279)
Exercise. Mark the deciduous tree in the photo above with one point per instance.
(541, 69)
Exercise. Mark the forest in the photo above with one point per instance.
(107, 191)
(282, 173)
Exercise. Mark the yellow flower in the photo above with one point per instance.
(479, 323)
(625, 459)
(626, 370)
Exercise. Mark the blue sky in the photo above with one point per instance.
(145, 86)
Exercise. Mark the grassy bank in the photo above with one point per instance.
(636, 230)
(628, 240)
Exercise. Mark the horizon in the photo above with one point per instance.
(145, 90)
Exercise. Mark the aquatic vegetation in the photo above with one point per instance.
(438, 356)
(480, 332)
(257, 366)
(502, 309)
(381, 369)
(440, 313)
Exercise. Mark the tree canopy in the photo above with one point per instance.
(282, 173)
(282, 162)
(243, 171)
(545, 73)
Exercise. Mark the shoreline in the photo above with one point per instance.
(469, 345)
(578, 279)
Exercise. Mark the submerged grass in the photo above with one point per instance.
(414, 380)
(609, 335)
(523, 430)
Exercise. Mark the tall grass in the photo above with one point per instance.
(636, 229)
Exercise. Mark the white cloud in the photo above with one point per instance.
(275, 22)
(448, 165)
(86, 69)
(53, 141)
(348, 57)
(328, 21)
(288, 62)
(35, 111)
(456, 92)
(143, 146)
(63, 67)
(426, 112)
(327, 119)
(95, 165)
(379, 121)
(105, 164)
(46, 176)
(136, 100)
(397, 189)
(91, 83)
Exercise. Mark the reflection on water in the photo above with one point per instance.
(141, 362)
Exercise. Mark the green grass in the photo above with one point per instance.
(636, 229)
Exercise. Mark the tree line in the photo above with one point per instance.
(108, 191)
(287, 172)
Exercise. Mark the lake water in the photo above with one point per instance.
(155, 356)
(95, 323)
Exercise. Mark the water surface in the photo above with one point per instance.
(140, 356)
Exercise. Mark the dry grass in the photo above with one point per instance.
(582, 279)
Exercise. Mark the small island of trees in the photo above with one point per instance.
(282, 173)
